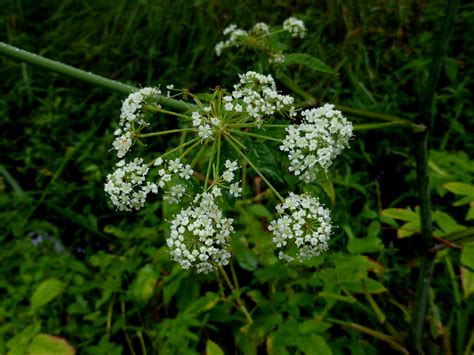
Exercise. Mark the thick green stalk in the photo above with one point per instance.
(67, 70)
(421, 155)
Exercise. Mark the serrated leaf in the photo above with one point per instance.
(308, 61)
(313, 326)
(401, 214)
(264, 158)
(45, 344)
(46, 292)
(213, 349)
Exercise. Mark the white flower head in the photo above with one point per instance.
(303, 229)
(127, 186)
(122, 144)
(295, 27)
(132, 113)
(200, 235)
(257, 95)
(315, 143)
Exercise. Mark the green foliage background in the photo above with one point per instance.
(73, 267)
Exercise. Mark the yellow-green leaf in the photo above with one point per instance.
(45, 344)
(467, 269)
(46, 292)
(460, 188)
(401, 214)
(213, 349)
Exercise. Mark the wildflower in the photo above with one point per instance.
(235, 35)
(235, 190)
(257, 95)
(122, 144)
(127, 186)
(132, 107)
(295, 27)
(317, 141)
(303, 229)
(200, 235)
(260, 28)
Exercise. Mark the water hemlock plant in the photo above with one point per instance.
(195, 175)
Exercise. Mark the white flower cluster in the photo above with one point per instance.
(317, 141)
(200, 234)
(205, 123)
(260, 28)
(127, 186)
(235, 34)
(131, 116)
(295, 27)
(256, 94)
(303, 223)
(228, 175)
(168, 168)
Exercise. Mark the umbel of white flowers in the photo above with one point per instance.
(200, 233)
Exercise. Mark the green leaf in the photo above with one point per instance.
(313, 326)
(408, 229)
(45, 344)
(313, 345)
(308, 61)
(19, 343)
(460, 188)
(401, 214)
(143, 286)
(467, 269)
(246, 258)
(371, 243)
(213, 349)
(446, 222)
(264, 157)
(46, 292)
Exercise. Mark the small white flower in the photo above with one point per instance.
(295, 27)
(200, 235)
(235, 190)
(127, 186)
(122, 144)
(303, 228)
(317, 141)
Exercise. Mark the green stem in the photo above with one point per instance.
(67, 70)
(161, 133)
(311, 101)
(374, 333)
(142, 342)
(175, 149)
(421, 157)
(369, 126)
(255, 168)
(219, 143)
(157, 109)
(209, 165)
(127, 337)
(236, 141)
(239, 301)
(186, 152)
(255, 135)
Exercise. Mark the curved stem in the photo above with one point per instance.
(157, 109)
(67, 70)
(255, 168)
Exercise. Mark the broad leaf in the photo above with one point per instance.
(308, 61)
(45, 293)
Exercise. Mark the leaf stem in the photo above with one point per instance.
(175, 149)
(209, 165)
(235, 291)
(161, 133)
(255, 135)
(255, 168)
(67, 70)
